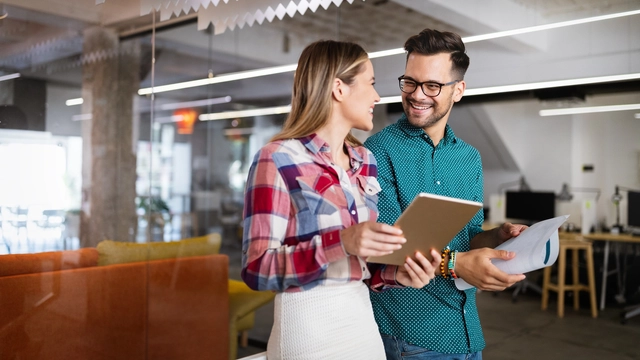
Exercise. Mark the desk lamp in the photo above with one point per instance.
(616, 199)
(588, 213)
(566, 193)
(522, 185)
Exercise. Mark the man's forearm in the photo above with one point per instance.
(484, 239)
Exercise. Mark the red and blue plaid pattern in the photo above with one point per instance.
(296, 203)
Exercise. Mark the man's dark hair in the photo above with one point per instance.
(432, 42)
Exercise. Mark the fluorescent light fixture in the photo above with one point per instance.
(82, 117)
(196, 103)
(637, 116)
(550, 84)
(383, 53)
(526, 30)
(390, 99)
(246, 113)
(589, 109)
(531, 29)
(220, 79)
(377, 54)
(73, 102)
(168, 119)
(9, 77)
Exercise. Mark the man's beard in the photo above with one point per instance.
(439, 112)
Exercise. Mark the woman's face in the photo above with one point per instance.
(359, 104)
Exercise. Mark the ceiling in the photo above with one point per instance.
(43, 39)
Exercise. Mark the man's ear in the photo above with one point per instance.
(458, 91)
(338, 89)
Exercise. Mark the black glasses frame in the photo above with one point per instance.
(401, 80)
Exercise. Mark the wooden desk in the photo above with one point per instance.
(608, 238)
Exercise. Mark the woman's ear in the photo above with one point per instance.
(338, 89)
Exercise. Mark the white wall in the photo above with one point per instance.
(552, 150)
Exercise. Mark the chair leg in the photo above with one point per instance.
(546, 280)
(576, 279)
(561, 281)
(592, 283)
(244, 339)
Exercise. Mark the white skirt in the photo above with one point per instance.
(326, 322)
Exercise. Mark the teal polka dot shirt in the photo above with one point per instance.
(438, 317)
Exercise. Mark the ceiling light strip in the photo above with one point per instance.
(196, 103)
(531, 29)
(82, 117)
(589, 109)
(551, 84)
(220, 79)
(74, 102)
(246, 113)
(9, 77)
(377, 54)
(526, 30)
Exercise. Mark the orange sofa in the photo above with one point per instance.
(61, 305)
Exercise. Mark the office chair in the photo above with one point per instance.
(629, 312)
(522, 286)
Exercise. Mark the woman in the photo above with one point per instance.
(310, 212)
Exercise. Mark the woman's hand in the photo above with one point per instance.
(417, 273)
(371, 239)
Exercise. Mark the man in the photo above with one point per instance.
(420, 153)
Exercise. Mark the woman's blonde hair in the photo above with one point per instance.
(320, 63)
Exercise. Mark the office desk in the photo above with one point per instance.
(608, 238)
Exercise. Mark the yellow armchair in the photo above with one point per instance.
(243, 302)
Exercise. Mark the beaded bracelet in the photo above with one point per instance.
(452, 264)
(444, 254)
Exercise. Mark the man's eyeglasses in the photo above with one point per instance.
(429, 88)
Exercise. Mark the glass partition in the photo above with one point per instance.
(125, 146)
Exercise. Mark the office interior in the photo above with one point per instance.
(127, 129)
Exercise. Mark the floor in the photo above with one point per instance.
(514, 330)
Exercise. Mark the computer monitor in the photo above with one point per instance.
(530, 206)
(633, 209)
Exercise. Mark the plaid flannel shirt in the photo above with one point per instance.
(296, 203)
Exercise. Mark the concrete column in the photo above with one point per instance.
(110, 80)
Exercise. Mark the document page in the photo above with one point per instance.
(535, 248)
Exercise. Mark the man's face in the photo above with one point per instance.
(424, 111)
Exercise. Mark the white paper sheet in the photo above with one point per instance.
(535, 248)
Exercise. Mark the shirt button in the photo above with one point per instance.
(363, 268)
(353, 212)
(438, 182)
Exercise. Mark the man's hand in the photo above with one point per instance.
(496, 236)
(371, 239)
(475, 267)
(417, 273)
(507, 231)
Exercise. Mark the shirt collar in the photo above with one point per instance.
(316, 144)
(405, 125)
